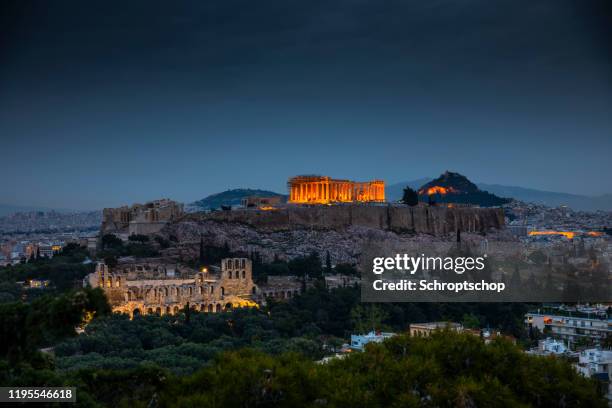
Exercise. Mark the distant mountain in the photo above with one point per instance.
(394, 192)
(549, 198)
(552, 199)
(230, 197)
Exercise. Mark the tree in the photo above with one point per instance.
(346, 269)
(163, 243)
(110, 241)
(111, 261)
(328, 265)
(45, 321)
(445, 369)
(470, 321)
(410, 197)
(368, 318)
(307, 266)
(138, 238)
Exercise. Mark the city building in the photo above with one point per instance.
(358, 341)
(426, 329)
(313, 189)
(341, 281)
(598, 364)
(550, 346)
(570, 328)
(17, 252)
(37, 283)
(47, 250)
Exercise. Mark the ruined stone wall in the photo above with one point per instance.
(237, 277)
(153, 293)
(145, 228)
(146, 218)
(430, 220)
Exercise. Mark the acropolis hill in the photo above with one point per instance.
(400, 219)
(322, 202)
(323, 214)
(344, 231)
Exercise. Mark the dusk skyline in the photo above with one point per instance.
(111, 103)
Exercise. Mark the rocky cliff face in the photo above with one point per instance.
(345, 231)
(429, 220)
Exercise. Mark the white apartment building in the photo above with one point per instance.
(571, 328)
(596, 363)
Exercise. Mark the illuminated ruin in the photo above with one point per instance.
(155, 287)
(147, 218)
(566, 234)
(438, 190)
(325, 190)
(159, 288)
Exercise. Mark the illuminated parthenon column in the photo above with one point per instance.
(325, 190)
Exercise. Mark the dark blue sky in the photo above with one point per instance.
(104, 103)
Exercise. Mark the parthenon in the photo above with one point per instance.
(325, 190)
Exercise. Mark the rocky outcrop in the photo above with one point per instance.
(422, 219)
(455, 188)
(344, 246)
(346, 232)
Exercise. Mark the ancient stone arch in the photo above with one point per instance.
(153, 293)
